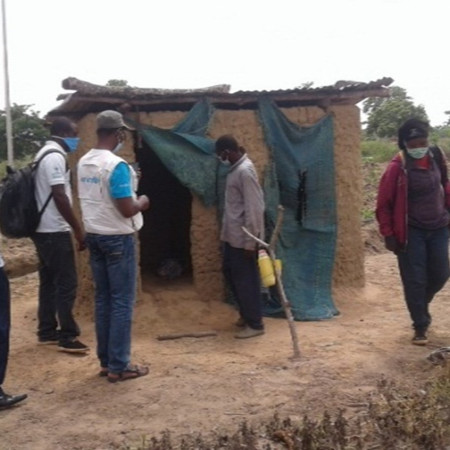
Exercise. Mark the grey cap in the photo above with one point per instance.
(110, 119)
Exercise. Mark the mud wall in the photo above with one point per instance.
(349, 261)
(244, 125)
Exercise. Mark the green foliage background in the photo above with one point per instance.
(29, 132)
(385, 115)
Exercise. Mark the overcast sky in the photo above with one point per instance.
(249, 44)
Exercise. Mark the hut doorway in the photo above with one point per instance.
(165, 237)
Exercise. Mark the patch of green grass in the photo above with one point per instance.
(378, 151)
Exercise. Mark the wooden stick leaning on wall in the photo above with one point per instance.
(270, 247)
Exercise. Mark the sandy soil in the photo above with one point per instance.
(210, 383)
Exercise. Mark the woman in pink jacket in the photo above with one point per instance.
(412, 212)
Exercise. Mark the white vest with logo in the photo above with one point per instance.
(100, 214)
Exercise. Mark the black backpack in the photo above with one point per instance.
(19, 213)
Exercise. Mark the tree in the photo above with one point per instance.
(29, 132)
(385, 115)
(447, 123)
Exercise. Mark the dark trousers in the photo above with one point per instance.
(5, 323)
(57, 288)
(242, 275)
(424, 269)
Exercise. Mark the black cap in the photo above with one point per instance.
(412, 129)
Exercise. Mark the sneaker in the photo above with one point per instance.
(74, 346)
(248, 332)
(48, 341)
(420, 338)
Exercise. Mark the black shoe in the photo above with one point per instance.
(74, 346)
(53, 339)
(50, 341)
(420, 338)
(7, 401)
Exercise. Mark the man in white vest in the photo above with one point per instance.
(111, 216)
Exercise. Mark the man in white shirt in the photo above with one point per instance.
(111, 216)
(53, 241)
(244, 206)
(5, 322)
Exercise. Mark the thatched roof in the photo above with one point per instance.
(90, 97)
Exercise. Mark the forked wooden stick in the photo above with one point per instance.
(270, 247)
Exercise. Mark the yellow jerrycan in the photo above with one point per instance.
(266, 269)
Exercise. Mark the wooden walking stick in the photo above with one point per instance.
(270, 247)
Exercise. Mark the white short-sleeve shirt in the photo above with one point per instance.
(51, 172)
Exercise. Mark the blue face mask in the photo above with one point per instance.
(417, 153)
(72, 143)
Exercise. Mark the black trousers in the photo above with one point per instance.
(5, 323)
(57, 286)
(424, 270)
(242, 275)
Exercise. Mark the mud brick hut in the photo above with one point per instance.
(305, 143)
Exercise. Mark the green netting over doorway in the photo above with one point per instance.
(186, 152)
(301, 179)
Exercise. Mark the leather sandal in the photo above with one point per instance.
(131, 372)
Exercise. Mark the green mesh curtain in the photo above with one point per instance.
(187, 153)
(301, 178)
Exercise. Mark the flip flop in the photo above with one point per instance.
(130, 373)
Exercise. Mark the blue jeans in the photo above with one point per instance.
(113, 264)
(424, 269)
(5, 323)
(57, 286)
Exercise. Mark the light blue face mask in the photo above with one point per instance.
(417, 153)
(72, 143)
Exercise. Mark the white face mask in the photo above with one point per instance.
(223, 158)
(118, 147)
(417, 153)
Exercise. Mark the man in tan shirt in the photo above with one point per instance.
(244, 206)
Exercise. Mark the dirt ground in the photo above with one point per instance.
(210, 383)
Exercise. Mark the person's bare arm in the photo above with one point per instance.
(64, 207)
(129, 206)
